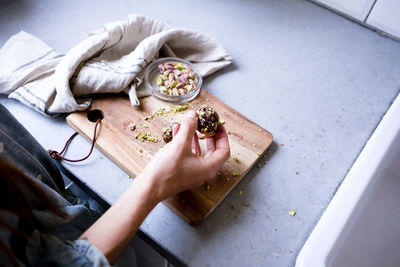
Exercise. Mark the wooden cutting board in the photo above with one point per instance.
(128, 149)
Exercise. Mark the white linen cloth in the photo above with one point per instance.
(110, 60)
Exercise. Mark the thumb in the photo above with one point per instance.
(188, 127)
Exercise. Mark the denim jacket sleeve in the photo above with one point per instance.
(49, 246)
(47, 250)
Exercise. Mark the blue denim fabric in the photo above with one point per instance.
(47, 250)
(55, 244)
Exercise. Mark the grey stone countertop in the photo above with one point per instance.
(317, 81)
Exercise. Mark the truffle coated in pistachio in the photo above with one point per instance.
(167, 134)
(208, 121)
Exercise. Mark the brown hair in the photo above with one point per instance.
(14, 199)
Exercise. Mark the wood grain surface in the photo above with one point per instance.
(248, 142)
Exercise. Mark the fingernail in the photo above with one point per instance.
(175, 126)
(192, 114)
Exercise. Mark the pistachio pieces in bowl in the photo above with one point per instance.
(173, 80)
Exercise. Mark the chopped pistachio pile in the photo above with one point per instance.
(147, 136)
(172, 110)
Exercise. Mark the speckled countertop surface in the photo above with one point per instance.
(317, 81)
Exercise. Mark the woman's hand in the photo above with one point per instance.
(180, 166)
(177, 167)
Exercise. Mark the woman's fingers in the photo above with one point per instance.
(175, 128)
(221, 139)
(218, 150)
(195, 145)
(188, 127)
(210, 141)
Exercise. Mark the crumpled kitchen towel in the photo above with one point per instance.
(110, 60)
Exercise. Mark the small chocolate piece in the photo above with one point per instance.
(208, 122)
(167, 134)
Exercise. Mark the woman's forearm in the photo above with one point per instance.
(178, 166)
(112, 231)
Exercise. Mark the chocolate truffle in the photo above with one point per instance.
(208, 122)
(167, 134)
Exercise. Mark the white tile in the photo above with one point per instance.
(386, 16)
(354, 8)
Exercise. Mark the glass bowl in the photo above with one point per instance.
(152, 72)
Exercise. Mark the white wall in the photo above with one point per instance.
(383, 15)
